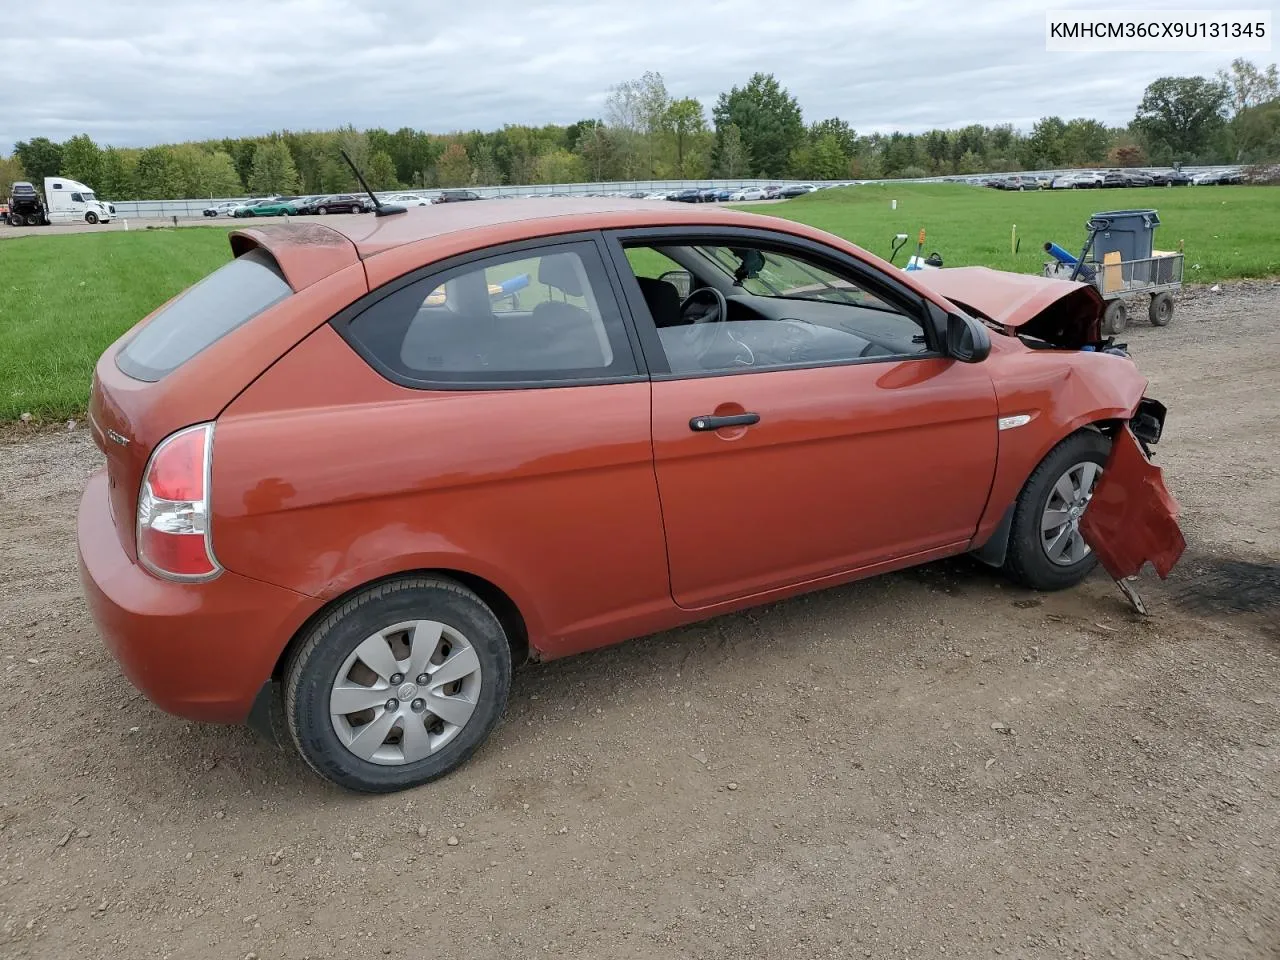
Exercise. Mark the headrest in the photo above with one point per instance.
(558, 270)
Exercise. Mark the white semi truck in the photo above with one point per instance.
(65, 201)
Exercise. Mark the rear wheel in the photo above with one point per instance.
(15, 219)
(33, 220)
(1115, 318)
(399, 685)
(322, 210)
(1046, 549)
(1161, 310)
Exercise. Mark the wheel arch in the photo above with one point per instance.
(494, 597)
(992, 545)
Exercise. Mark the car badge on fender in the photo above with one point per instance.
(117, 438)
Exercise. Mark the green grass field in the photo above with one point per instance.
(1230, 232)
(65, 298)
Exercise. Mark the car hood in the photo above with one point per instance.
(1061, 312)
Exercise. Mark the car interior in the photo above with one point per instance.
(726, 307)
(469, 324)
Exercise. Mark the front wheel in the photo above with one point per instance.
(399, 685)
(355, 209)
(90, 217)
(1161, 310)
(1046, 549)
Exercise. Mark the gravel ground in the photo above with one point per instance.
(926, 764)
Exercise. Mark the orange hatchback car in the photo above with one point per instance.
(357, 473)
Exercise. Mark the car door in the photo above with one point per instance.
(780, 464)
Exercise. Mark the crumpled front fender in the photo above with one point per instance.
(1132, 518)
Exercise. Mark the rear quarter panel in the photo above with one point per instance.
(327, 476)
(1062, 391)
(146, 412)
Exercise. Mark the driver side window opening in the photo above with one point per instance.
(752, 308)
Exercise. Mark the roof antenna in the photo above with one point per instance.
(378, 209)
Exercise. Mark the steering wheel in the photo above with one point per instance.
(706, 309)
(715, 311)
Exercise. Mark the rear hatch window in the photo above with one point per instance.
(226, 299)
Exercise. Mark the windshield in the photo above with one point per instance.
(87, 194)
(764, 273)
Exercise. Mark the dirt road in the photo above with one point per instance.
(928, 764)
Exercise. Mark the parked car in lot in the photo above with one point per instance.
(223, 209)
(335, 465)
(456, 196)
(409, 200)
(1017, 182)
(692, 195)
(1218, 177)
(748, 193)
(340, 203)
(1127, 178)
(1169, 178)
(272, 207)
(795, 190)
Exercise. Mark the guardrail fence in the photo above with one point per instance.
(164, 209)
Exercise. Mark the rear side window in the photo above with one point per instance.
(542, 316)
(227, 298)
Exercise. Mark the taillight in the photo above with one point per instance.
(174, 539)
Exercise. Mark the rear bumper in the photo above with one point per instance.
(199, 650)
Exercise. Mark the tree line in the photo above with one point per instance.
(647, 132)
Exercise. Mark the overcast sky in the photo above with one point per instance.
(133, 73)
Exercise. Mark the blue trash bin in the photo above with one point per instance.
(1132, 232)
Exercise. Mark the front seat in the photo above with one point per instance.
(663, 300)
(564, 336)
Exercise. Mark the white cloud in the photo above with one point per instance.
(137, 73)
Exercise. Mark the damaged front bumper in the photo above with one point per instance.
(1132, 519)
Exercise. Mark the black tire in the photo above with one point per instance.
(312, 668)
(322, 210)
(1026, 561)
(15, 220)
(1114, 319)
(90, 217)
(35, 220)
(1161, 310)
(355, 209)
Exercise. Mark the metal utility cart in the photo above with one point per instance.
(1118, 258)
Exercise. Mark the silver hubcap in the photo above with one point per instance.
(405, 692)
(1060, 523)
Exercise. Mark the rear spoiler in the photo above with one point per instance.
(305, 252)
